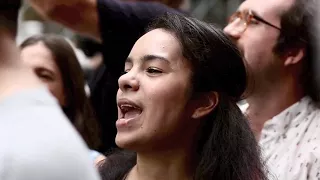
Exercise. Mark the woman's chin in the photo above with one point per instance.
(124, 141)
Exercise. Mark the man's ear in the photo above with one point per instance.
(294, 56)
(206, 104)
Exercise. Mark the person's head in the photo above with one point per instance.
(274, 37)
(179, 91)
(9, 10)
(54, 61)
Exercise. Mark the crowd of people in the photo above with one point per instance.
(164, 93)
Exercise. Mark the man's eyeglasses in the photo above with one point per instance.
(244, 18)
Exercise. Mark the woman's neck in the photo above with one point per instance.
(163, 165)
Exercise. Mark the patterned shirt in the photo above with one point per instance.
(290, 142)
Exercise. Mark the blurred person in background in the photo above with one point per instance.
(37, 140)
(117, 25)
(177, 108)
(54, 61)
(282, 104)
(93, 51)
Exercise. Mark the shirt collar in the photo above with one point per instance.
(280, 123)
(289, 116)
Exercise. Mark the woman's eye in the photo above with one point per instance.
(153, 70)
(45, 77)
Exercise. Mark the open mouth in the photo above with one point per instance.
(129, 111)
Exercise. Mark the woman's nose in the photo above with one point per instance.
(128, 82)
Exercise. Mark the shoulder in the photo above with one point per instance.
(36, 109)
(44, 154)
(33, 133)
(39, 164)
(307, 160)
(311, 164)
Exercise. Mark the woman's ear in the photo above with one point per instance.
(206, 104)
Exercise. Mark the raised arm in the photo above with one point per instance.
(78, 15)
(115, 23)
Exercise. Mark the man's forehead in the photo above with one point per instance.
(271, 8)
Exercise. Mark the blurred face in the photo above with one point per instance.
(154, 109)
(39, 58)
(258, 40)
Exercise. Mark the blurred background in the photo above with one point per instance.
(215, 11)
(30, 23)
